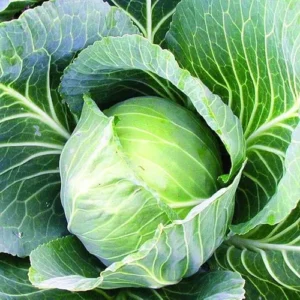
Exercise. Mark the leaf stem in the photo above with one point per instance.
(256, 245)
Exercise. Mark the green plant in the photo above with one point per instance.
(194, 177)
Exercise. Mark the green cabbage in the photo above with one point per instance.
(170, 149)
(184, 158)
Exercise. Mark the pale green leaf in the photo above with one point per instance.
(182, 246)
(62, 263)
(34, 123)
(69, 252)
(247, 52)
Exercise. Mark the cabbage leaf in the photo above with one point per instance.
(34, 122)
(250, 58)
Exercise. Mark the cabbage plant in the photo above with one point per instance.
(149, 149)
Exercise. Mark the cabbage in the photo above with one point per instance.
(172, 151)
(149, 144)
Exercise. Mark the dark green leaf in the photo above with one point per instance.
(34, 123)
(8, 8)
(222, 285)
(257, 289)
(248, 53)
(14, 284)
(152, 17)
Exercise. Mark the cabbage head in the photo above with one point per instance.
(171, 150)
(155, 162)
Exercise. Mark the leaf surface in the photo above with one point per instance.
(288, 190)
(34, 122)
(247, 52)
(206, 286)
(152, 17)
(106, 67)
(267, 257)
(14, 284)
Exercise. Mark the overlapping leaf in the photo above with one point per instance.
(177, 247)
(101, 190)
(268, 257)
(288, 190)
(153, 17)
(181, 246)
(104, 68)
(248, 53)
(14, 284)
(34, 123)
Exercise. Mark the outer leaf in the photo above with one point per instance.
(153, 17)
(288, 191)
(113, 62)
(182, 246)
(14, 284)
(247, 52)
(33, 121)
(215, 285)
(10, 7)
(268, 257)
(64, 262)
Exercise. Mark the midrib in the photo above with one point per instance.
(46, 119)
(293, 112)
(149, 19)
(256, 244)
